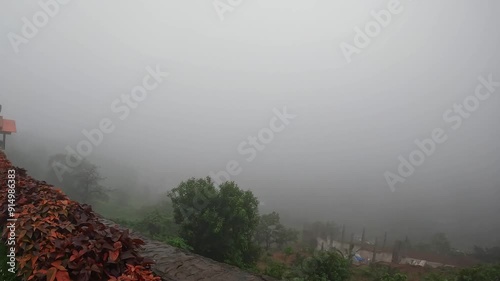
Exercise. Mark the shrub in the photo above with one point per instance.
(327, 266)
(480, 273)
(59, 239)
(157, 224)
(393, 277)
(275, 269)
(179, 243)
(442, 274)
(378, 272)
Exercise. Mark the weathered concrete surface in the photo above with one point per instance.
(174, 264)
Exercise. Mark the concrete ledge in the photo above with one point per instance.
(174, 264)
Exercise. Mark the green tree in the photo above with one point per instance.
(82, 183)
(217, 222)
(284, 235)
(270, 231)
(88, 183)
(265, 232)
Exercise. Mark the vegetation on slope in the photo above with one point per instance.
(59, 239)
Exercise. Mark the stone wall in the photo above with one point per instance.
(173, 264)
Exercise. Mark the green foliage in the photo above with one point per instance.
(480, 273)
(378, 272)
(82, 183)
(284, 236)
(179, 243)
(270, 231)
(154, 225)
(326, 266)
(437, 277)
(394, 277)
(288, 252)
(265, 231)
(441, 274)
(275, 269)
(217, 222)
(5, 275)
(299, 259)
(157, 225)
(114, 211)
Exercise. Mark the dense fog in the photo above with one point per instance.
(285, 97)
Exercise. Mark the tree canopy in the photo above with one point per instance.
(82, 183)
(217, 222)
(270, 230)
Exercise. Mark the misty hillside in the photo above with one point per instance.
(262, 133)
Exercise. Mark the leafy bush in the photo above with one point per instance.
(157, 224)
(288, 252)
(60, 239)
(378, 272)
(442, 274)
(154, 224)
(299, 259)
(480, 273)
(179, 243)
(326, 266)
(270, 231)
(127, 223)
(157, 227)
(275, 269)
(393, 277)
